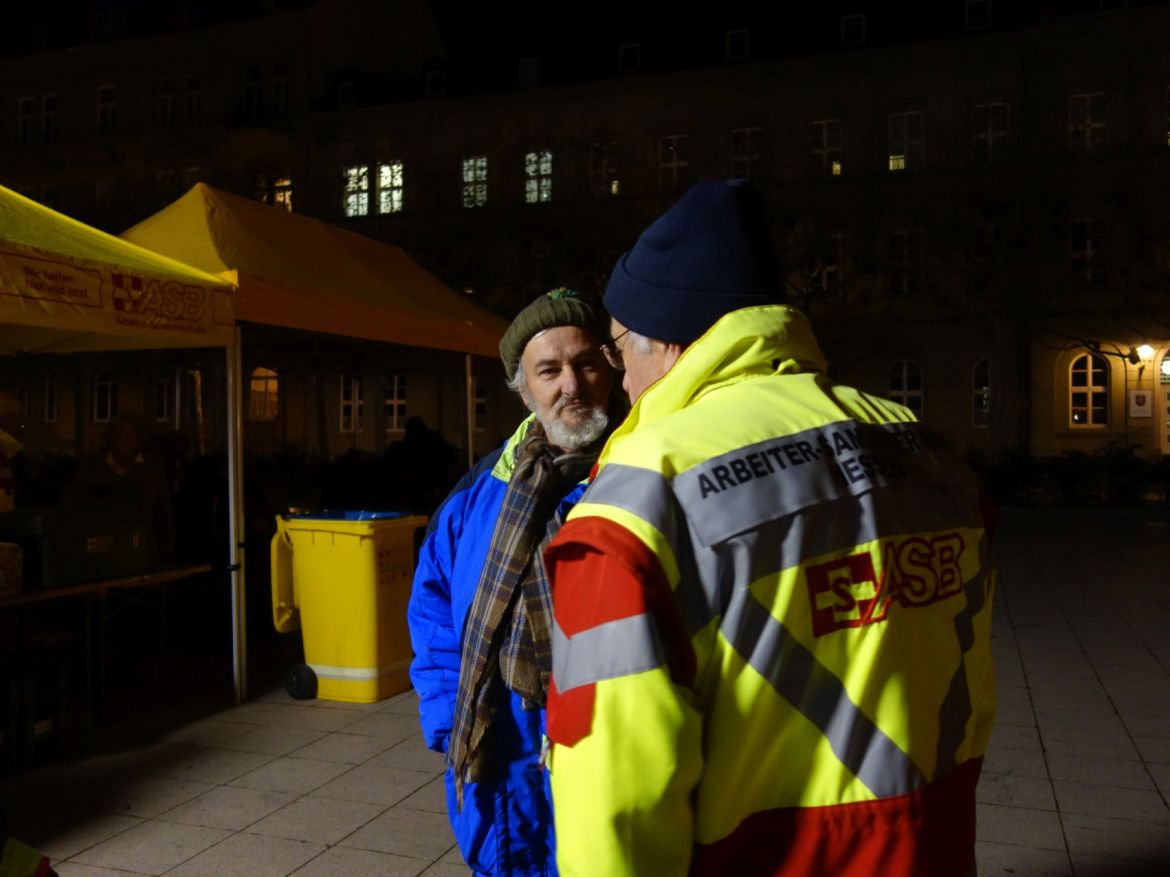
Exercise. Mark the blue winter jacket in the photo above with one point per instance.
(506, 825)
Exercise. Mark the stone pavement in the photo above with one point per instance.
(1076, 782)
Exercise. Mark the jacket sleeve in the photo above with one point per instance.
(434, 672)
(626, 735)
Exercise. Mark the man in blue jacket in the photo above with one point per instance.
(480, 610)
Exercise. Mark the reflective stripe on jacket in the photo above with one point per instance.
(772, 645)
(505, 826)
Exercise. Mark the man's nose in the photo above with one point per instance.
(570, 384)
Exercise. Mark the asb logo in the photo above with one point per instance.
(172, 300)
(847, 592)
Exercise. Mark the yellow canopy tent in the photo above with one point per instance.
(301, 273)
(67, 287)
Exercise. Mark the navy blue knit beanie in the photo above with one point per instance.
(706, 256)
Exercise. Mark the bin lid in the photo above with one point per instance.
(344, 515)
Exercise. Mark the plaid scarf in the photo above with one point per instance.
(507, 638)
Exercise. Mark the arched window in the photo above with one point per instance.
(1088, 391)
(981, 394)
(263, 394)
(906, 385)
(105, 396)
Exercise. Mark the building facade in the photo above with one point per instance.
(969, 210)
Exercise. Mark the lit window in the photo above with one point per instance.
(107, 109)
(824, 147)
(357, 189)
(989, 131)
(603, 172)
(673, 162)
(1088, 391)
(981, 394)
(350, 404)
(906, 385)
(746, 152)
(538, 177)
(905, 141)
(396, 403)
(49, 118)
(275, 189)
(1086, 238)
(25, 113)
(263, 394)
(163, 400)
(52, 401)
(390, 187)
(1086, 123)
(475, 177)
(105, 397)
(906, 262)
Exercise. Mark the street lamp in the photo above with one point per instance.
(1145, 352)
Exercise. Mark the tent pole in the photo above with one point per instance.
(235, 409)
(470, 412)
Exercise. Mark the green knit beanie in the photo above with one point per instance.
(558, 307)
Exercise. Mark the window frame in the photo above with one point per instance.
(350, 404)
(105, 390)
(750, 158)
(989, 144)
(913, 147)
(1082, 139)
(821, 149)
(475, 181)
(263, 386)
(1094, 364)
(538, 176)
(905, 394)
(395, 402)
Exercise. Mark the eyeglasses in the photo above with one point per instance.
(613, 354)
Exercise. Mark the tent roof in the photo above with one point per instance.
(302, 273)
(65, 286)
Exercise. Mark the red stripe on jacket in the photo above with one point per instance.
(601, 572)
(927, 833)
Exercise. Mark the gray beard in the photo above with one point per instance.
(571, 437)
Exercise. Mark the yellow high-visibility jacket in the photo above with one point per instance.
(772, 643)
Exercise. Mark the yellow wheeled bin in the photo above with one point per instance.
(343, 579)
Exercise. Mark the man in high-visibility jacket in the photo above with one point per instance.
(771, 649)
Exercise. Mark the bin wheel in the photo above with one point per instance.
(300, 682)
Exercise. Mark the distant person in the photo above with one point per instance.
(421, 468)
(126, 475)
(480, 608)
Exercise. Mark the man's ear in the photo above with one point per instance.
(671, 352)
